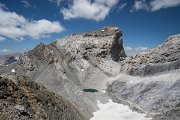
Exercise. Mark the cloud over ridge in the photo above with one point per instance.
(154, 5)
(94, 10)
(17, 27)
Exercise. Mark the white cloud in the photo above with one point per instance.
(26, 3)
(95, 10)
(141, 48)
(2, 38)
(128, 48)
(5, 50)
(3, 6)
(41, 28)
(154, 5)
(159, 4)
(17, 27)
(122, 6)
(56, 1)
(139, 5)
(134, 50)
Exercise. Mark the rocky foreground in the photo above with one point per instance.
(89, 67)
(23, 99)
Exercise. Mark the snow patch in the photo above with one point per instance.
(13, 71)
(115, 111)
(16, 58)
(104, 91)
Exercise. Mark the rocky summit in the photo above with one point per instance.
(82, 71)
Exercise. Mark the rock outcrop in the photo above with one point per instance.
(163, 58)
(24, 99)
(104, 43)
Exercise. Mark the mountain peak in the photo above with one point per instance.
(173, 38)
(106, 42)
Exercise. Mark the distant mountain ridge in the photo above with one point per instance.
(10, 58)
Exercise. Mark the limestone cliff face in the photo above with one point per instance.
(101, 44)
(163, 58)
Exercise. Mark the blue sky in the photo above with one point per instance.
(145, 23)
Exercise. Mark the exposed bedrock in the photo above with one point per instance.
(165, 57)
(157, 96)
(24, 99)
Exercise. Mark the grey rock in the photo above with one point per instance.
(20, 107)
(157, 96)
(28, 100)
(165, 57)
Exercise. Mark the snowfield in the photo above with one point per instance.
(115, 111)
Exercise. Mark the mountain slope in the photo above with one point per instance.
(24, 99)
